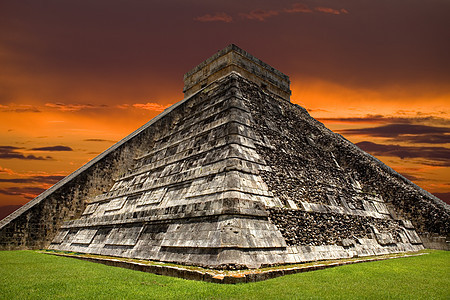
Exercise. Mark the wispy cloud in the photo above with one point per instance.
(73, 107)
(23, 108)
(260, 14)
(69, 108)
(19, 108)
(329, 10)
(7, 171)
(151, 106)
(439, 156)
(29, 174)
(217, 17)
(53, 148)
(99, 140)
(298, 8)
(11, 152)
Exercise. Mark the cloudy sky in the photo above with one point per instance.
(77, 76)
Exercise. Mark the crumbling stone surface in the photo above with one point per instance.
(309, 163)
(315, 229)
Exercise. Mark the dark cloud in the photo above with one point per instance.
(394, 130)
(10, 152)
(53, 148)
(99, 140)
(388, 119)
(412, 177)
(409, 133)
(52, 179)
(26, 192)
(313, 110)
(443, 196)
(8, 209)
(18, 180)
(436, 156)
(424, 139)
(9, 148)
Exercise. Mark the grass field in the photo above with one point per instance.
(33, 275)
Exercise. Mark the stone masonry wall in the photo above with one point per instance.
(316, 229)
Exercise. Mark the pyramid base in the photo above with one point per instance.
(227, 277)
(226, 258)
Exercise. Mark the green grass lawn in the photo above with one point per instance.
(29, 274)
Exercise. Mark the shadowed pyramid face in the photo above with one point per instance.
(236, 176)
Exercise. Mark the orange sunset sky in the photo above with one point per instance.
(77, 76)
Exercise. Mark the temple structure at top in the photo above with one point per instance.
(233, 58)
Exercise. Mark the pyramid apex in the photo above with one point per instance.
(234, 59)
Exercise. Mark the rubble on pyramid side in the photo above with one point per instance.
(321, 178)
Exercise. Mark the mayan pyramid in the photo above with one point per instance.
(232, 176)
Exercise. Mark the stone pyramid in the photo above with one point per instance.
(233, 176)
